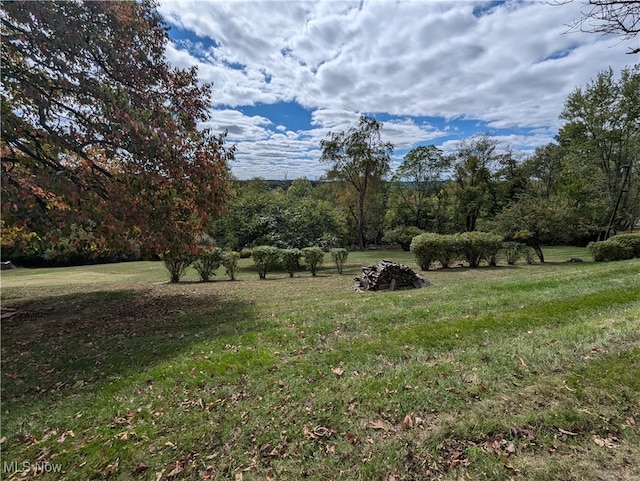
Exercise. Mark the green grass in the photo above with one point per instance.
(514, 372)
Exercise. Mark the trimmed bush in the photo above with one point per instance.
(313, 257)
(245, 253)
(290, 260)
(402, 235)
(609, 250)
(478, 246)
(629, 240)
(427, 249)
(339, 256)
(513, 251)
(530, 255)
(265, 258)
(207, 262)
(230, 262)
(176, 264)
(449, 250)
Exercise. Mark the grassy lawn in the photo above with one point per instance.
(514, 372)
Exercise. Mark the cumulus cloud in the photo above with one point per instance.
(507, 66)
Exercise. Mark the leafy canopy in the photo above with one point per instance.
(98, 129)
(360, 158)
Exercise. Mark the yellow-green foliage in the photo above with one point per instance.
(339, 256)
(630, 240)
(290, 259)
(609, 250)
(313, 257)
(18, 242)
(265, 259)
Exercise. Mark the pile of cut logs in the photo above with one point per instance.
(388, 275)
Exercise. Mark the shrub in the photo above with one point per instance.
(339, 256)
(230, 263)
(609, 250)
(265, 258)
(245, 253)
(290, 259)
(176, 263)
(513, 251)
(313, 257)
(478, 246)
(207, 261)
(427, 249)
(402, 235)
(529, 255)
(629, 240)
(449, 250)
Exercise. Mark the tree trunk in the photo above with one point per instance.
(361, 220)
(538, 250)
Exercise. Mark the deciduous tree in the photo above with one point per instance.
(416, 179)
(475, 159)
(98, 130)
(603, 132)
(360, 158)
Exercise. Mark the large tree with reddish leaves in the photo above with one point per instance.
(99, 130)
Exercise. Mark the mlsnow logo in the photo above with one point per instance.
(29, 467)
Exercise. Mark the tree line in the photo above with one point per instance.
(583, 187)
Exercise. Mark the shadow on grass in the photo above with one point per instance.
(56, 344)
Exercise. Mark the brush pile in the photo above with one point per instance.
(388, 275)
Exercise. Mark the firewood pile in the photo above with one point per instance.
(388, 275)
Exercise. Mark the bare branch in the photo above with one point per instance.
(608, 17)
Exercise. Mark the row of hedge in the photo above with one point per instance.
(265, 258)
(206, 261)
(269, 258)
(616, 248)
(472, 247)
(478, 247)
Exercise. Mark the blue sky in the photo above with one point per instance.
(285, 73)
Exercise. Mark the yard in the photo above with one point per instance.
(516, 372)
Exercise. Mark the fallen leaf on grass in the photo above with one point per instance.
(338, 371)
(407, 423)
(512, 468)
(500, 447)
(378, 424)
(605, 443)
(568, 433)
(317, 432)
(112, 468)
(178, 467)
(207, 473)
(119, 421)
(62, 438)
(141, 468)
(125, 435)
(28, 439)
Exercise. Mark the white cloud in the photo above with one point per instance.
(511, 67)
